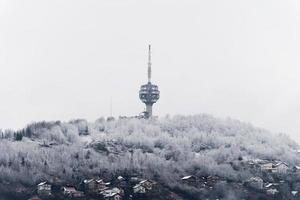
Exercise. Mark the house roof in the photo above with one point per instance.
(136, 186)
(144, 181)
(111, 194)
(281, 163)
(186, 177)
(294, 192)
(297, 167)
(88, 180)
(269, 185)
(42, 183)
(99, 181)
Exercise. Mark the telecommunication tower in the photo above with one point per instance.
(149, 93)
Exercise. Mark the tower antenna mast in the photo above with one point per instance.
(149, 64)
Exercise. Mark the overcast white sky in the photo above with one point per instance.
(64, 59)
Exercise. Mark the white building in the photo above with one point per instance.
(280, 168)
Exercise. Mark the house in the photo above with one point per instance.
(147, 184)
(113, 194)
(256, 183)
(44, 189)
(72, 192)
(94, 186)
(139, 189)
(294, 193)
(280, 168)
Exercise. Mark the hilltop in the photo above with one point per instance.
(217, 152)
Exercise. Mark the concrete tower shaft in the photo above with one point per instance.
(149, 93)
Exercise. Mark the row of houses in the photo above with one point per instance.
(271, 166)
(98, 187)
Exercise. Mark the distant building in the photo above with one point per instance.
(44, 189)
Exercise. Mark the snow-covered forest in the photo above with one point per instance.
(163, 149)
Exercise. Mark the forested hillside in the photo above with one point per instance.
(163, 150)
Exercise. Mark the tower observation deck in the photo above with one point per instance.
(149, 93)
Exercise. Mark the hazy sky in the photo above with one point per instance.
(65, 59)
